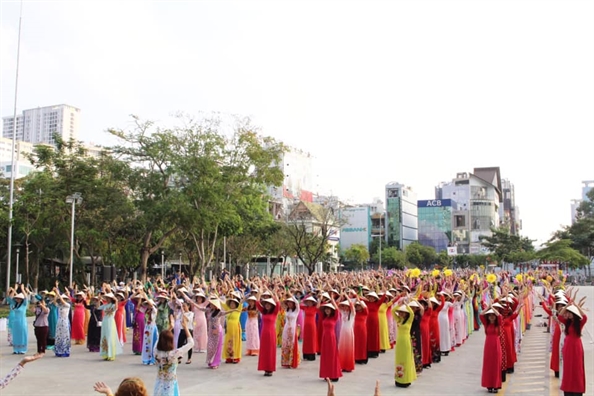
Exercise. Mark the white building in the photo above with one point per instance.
(40, 125)
(22, 164)
(355, 226)
(298, 184)
(575, 203)
(478, 198)
(401, 222)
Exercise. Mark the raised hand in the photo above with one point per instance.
(102, 387)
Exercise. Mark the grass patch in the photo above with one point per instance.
(5, 310)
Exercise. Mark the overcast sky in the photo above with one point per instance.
(378, 91)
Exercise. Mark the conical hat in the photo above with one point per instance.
(216, 302)
(574, 310)
(269, 300)
(373, 294)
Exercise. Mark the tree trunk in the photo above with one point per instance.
(145, 253)
(27, 258)
(93, 270)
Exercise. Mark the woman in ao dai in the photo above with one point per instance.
(62, 346)
(290, 342)
(167, 359)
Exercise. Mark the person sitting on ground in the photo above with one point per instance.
(132, 386)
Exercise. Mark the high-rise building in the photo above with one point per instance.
(41, 124)
(508, 212)
(478, 198)
(401, 215)
(435, 223)
(587, 185)
(22, 164)
(297, 185)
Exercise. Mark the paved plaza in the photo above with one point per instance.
(457, 374)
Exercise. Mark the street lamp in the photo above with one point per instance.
(73, 199)
(18, 250)
(180, 264)
(162, 265)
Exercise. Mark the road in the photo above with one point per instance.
(457, 374)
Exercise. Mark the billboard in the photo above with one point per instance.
(355, 227)
(432, 203)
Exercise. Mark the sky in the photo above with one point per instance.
(377, 91)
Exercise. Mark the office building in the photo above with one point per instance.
(509, 212)
(41, 124)
(435, 223)
(478, 198)
(587, 185)
(401, 215)
(22, 164)
(297, 185)
(355, 226)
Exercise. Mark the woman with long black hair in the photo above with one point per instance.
(573, 381)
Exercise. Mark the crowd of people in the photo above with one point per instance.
(343, 319)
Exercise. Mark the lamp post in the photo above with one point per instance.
(163, 265)
(180, 264)
(73, 199)
(18, 278)
(13, 158)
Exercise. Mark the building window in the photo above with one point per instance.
(459, 221)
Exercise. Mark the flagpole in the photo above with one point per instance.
(13, 159)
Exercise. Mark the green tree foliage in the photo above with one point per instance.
(562, 251)
(443, 259)
(357, 254)
(279, 244)
(505, 247)
(419, 255)
(194, 178)
(391, 257)
(581, 232)
(310, 227)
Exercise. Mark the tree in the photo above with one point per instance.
(357, 254)
(502, 244)
(581, 232)
(279, 244)
(224, 179)
(34, 215)
(420, 255)
(157, 200)
(311, 225)
(443, 259)
(62, 171)
(392, 257)
(562, 251)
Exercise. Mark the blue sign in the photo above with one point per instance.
(354, 229)
(434, 203)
